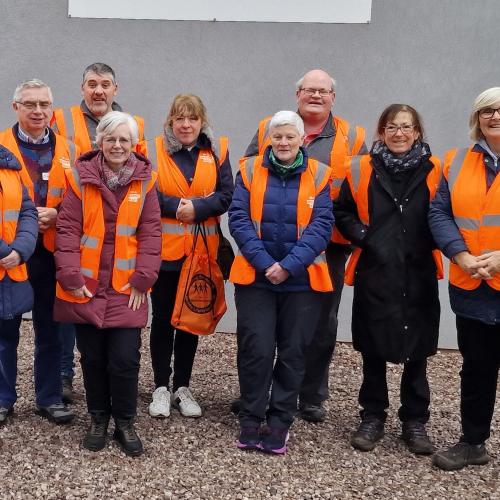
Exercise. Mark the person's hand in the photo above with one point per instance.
(276, 274)
(136, 298)
(12, 260)
(185, 211)
(490, 262)
(471, 265)
(46, 218)
(80, 293)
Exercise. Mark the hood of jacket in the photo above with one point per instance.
(88, 166)
(206, 140)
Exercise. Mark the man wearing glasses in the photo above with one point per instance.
(43, 156)
(329, 139)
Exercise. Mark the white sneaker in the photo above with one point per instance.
(160, 406)
(184, 401)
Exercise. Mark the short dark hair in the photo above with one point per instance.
(391, 111)
(100, 69)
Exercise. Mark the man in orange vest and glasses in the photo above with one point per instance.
(330, 140)
(78, 124)
(43, 156)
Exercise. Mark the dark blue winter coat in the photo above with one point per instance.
(279, 241)
(17, 297)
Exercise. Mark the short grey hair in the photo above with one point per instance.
(298, 83)
(485, 99)
(99, 69)
(287, 118)
(34, 83)
(114, 119)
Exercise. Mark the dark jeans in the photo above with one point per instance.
(270, 322)
(314, 389)
(9, 340)
(414, 392)
(479, 345)
(67, 335)
(47, 362)
(165, 340)
(110, 360)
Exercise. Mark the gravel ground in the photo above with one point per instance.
(189, 458)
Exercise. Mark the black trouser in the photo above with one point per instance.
(314, 389)
(163, 340)
(479, 345)
(270, 322)
(414, 391)
(110, 360)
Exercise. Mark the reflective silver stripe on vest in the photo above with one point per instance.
(257, 226)
(68, 122)
(249, 169)
(56, 192)
(320, 175)
(89, 241)
(125, 264)
(11, 215)
(72, 153)
(466, 223)
(356, 172)
(169, 228)
(301, 230)
(491, 220)
(320, 259)
(456, 166)
(337, 182)
(144, 191)
(124, 230)
(86, 272)
(351, 136)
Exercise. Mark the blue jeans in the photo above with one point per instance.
(67, 336)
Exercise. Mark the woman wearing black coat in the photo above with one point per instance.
(382, 209)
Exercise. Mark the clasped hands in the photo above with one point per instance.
(46, 218)
(185, 211)
(137, 298)
(276, 274)
(483, 266)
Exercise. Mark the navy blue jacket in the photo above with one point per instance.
(17, 297)
(279, 241)
(483, 303)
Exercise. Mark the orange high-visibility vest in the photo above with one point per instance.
(93, 232)
(65, 154)
(476, 211)
(312, 181)
(176, 237)
(71, 124)
(11, 198)
(347, 142)
(358, 176)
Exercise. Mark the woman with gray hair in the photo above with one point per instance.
(465, 221)
(107, 258)
(281, 218)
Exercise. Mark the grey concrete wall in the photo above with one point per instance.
(434, 54)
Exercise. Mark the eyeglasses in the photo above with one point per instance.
(321, 92)
(112, 140)
(35, 104)
(393, 129)
(488, 112)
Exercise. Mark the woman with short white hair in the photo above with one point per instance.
(465, 221)
(107, 256)
(281, 218)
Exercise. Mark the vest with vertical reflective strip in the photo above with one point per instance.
(65, 154)
(359, 175)
(71, 124)
(177, 238)
(312, 181)
(93, 232)
(11, 198)
(476, 210)
(347, 142)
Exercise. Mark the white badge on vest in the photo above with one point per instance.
(45, 176)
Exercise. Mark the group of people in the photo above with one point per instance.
(94, 217)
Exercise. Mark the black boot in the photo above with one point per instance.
(127, 438)
(95, 439)
(370, 430)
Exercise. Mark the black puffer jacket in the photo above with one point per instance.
(395, 313)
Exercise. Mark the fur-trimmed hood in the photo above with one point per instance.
(206, 140)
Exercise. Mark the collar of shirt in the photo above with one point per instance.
(316, 132)
(43, 139)
(86, 111)
(491, 154)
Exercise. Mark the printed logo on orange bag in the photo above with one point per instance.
(201, 294)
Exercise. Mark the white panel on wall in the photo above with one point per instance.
(291, 11)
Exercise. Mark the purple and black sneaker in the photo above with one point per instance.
(249, 438)
(274, 440)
